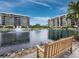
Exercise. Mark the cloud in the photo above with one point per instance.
(11, 6)
(5, 6)
(63, 9)
(39, 20)
(45, 3)
(21, 2)
(55, 1)
(40, 3)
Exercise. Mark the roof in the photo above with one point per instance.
(14, 14)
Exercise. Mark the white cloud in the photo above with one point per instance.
(39, 20)
(21, 2)
(5, 6)
(40, 3)
(63, 9)
(55, 1)
(8, 6)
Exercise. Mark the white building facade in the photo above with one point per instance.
(60, 21)
(14, 20)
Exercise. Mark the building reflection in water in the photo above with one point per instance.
(57, 34)
(7, 39)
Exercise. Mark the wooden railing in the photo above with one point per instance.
(55, 49)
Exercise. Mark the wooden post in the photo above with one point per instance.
(71, 44)
(45, 53)
(71, 49)
(37, 53)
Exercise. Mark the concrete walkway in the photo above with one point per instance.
(75, 53)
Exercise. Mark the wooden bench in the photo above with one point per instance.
(55, 49)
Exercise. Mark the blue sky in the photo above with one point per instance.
(39, 10)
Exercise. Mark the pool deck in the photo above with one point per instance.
(75, 53)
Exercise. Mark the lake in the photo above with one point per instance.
(13, 41)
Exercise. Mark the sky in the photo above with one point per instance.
(39, 11)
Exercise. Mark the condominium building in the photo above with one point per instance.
(60, 21)
(7, 19)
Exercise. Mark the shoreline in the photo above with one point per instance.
(26, 52)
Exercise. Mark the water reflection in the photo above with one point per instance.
(14, 38)
(57, 34)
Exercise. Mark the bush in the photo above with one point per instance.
(8, 26)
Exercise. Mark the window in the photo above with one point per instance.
(17, 21)
(3, 20)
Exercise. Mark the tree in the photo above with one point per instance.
(37, 25)
(73, 11)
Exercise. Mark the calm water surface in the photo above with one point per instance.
(13, 41)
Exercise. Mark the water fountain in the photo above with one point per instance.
(18, 29)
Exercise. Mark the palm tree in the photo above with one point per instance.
(73, 11)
